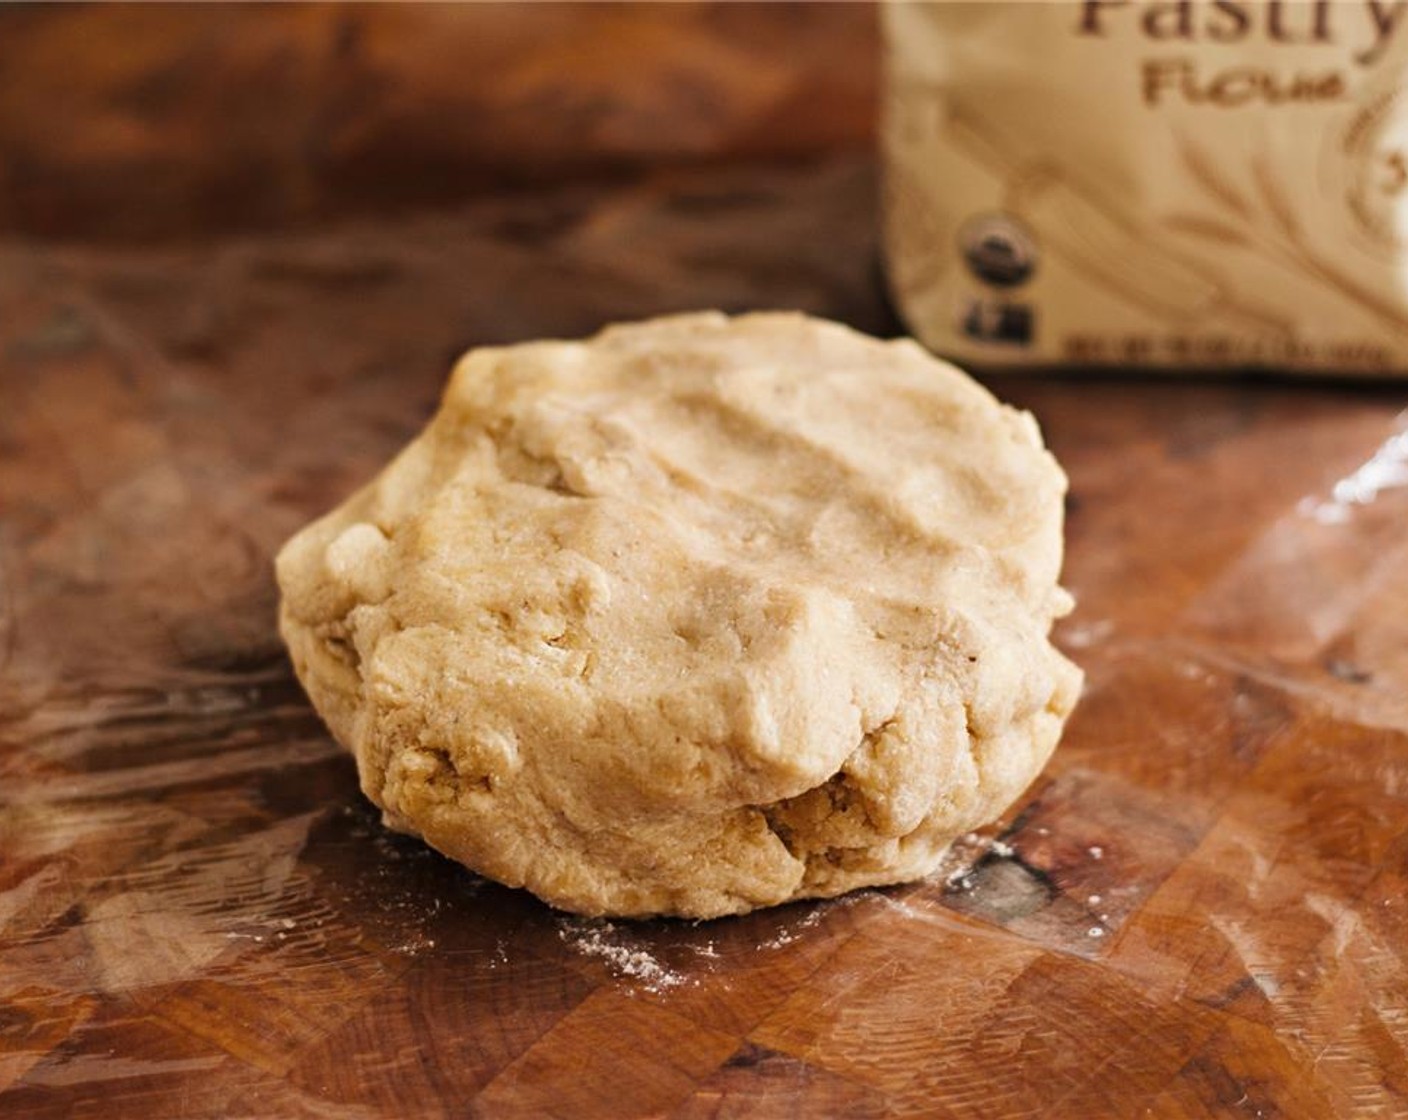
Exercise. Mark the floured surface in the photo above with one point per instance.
(1239, 760)
(698, 615)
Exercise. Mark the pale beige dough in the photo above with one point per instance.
(700, 615)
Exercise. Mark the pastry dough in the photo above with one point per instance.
(699, 615)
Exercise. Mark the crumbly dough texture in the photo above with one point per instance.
(699, 615)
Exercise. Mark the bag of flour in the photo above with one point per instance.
(1196, 184)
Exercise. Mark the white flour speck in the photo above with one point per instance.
(793, 932)
(1083, 637)
(413, 946)
(626, 961)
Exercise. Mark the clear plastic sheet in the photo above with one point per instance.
(1198, 909)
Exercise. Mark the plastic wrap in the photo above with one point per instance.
(1199, 907)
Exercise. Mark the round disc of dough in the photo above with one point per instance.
(699, 615)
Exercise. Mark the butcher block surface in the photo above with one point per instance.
(1198, 910)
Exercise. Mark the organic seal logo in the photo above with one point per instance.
(998, 250)
(1374, 151)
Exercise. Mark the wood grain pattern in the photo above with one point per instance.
(126, 122)
(1197, 911)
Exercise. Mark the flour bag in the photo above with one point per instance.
(1189, 185)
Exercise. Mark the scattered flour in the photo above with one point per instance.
(962, 877)
(794, 931)
(413, 945)
(1079, 636)
(961, 880)
(605, 941)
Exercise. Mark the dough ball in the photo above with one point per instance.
(699, 615)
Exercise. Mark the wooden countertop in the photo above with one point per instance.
(1198, 910)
